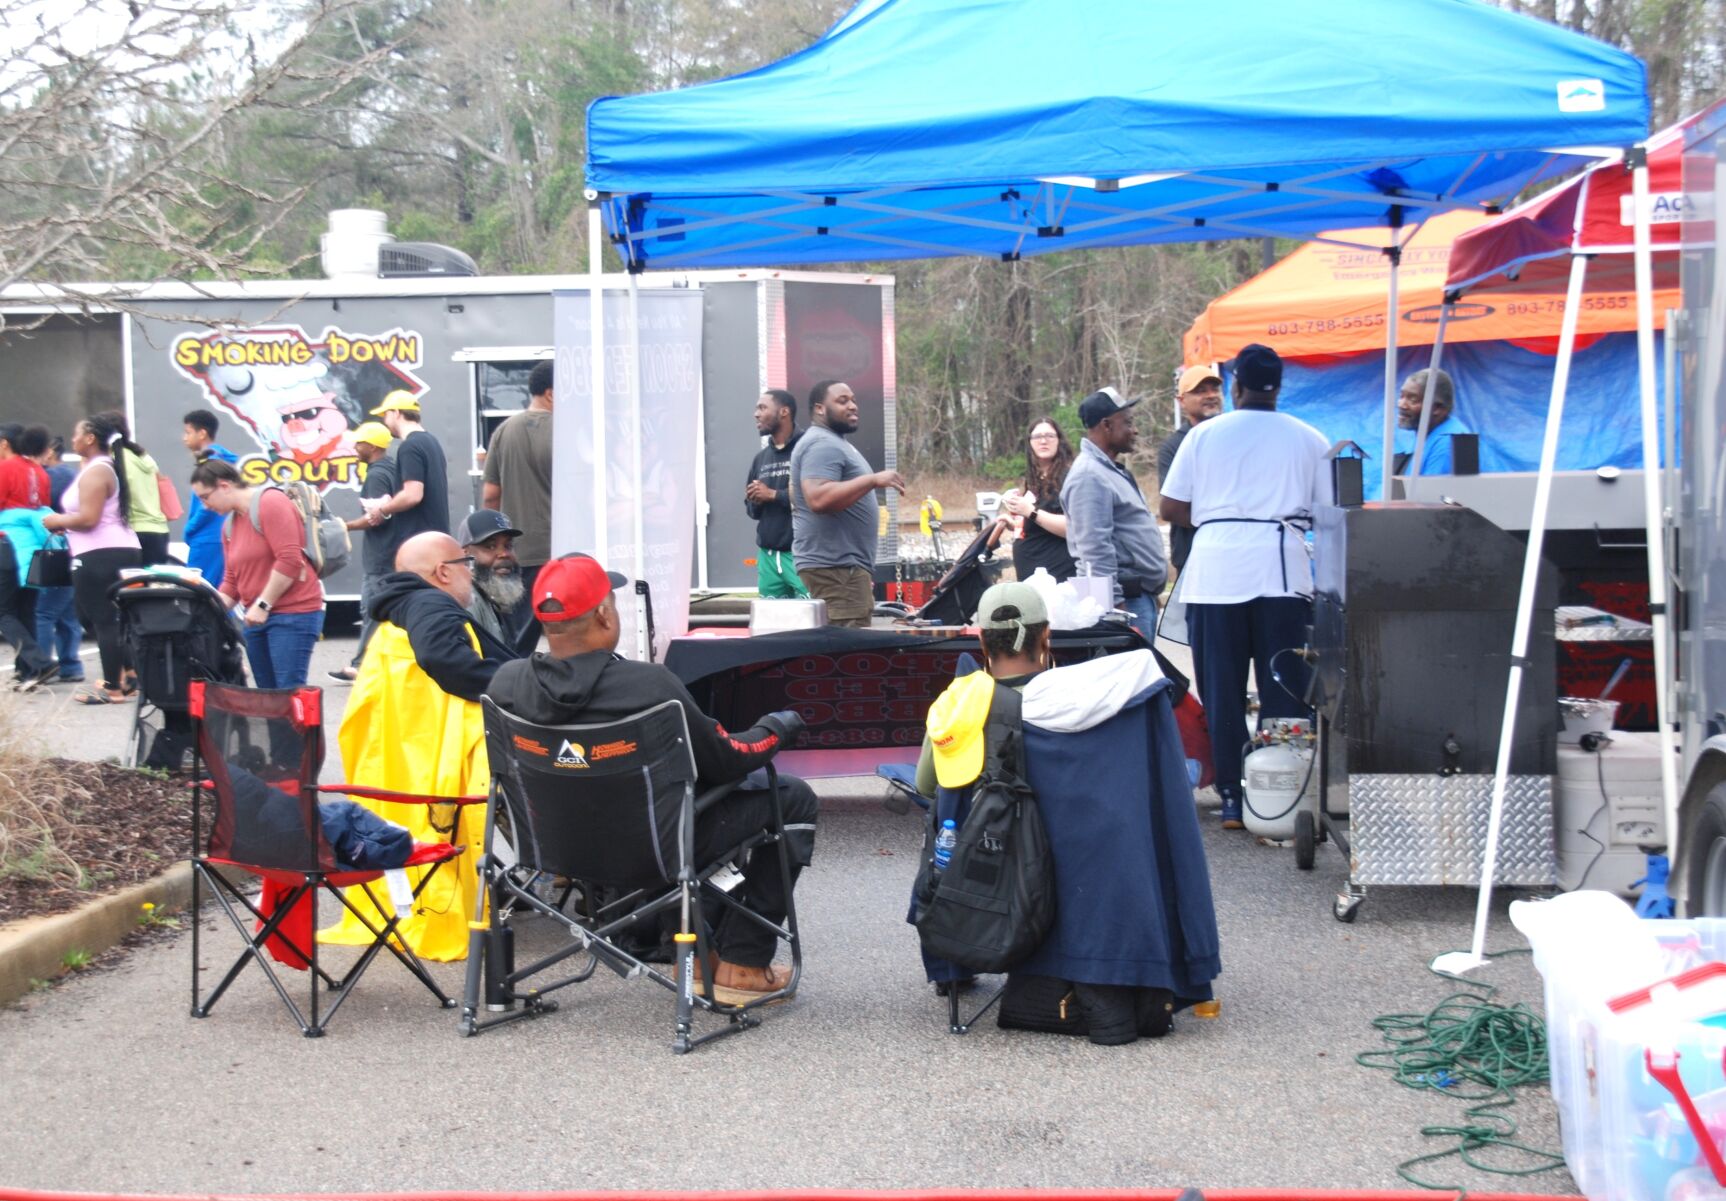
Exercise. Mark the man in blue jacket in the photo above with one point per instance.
(203, 529)
(1439, 459)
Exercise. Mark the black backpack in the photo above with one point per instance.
(995, 902)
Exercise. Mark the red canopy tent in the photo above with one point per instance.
(1529, 248)
(1622, 220)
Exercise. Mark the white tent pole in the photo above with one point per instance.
(1669, 475)
(1654, 513)
(1475, 956)
(643, 652)
(1426, 400)
(1392, 307)
(596, 365)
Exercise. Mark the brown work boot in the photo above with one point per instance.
(735, 984)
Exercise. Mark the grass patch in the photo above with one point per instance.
(36, 810)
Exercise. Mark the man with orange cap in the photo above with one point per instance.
(1199, 396)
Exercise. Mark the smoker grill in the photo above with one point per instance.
(1414, 611)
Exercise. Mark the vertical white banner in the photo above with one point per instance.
(664, 359)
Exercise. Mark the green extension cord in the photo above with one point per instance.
(1470, 1048)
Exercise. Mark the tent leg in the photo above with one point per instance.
(643, 652)
(1475, 956)
(1654, 514)
(596, 363)
(1426, 401)
(1392, 310)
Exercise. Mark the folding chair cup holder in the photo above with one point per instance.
(258, 754)
(612, 808)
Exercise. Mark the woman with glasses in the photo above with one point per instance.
(1035, 506)
(266, 572)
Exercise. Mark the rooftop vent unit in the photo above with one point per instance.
(407, 260)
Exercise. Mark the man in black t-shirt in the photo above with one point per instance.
(421, 502)
(1200, 397)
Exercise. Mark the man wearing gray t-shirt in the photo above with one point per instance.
(833, 521)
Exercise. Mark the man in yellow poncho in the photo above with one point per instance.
(414, 724)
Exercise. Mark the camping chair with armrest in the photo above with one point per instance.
(613, 806)
(258, 755)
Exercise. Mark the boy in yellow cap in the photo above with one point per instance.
(1013, 630)
(378, 555)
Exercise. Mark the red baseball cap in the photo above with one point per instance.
(572, 587)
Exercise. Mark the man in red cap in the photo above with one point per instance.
(583, 680)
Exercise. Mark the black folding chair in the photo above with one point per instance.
(259, 752)
(614, 808)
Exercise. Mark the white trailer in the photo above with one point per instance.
(292, 366)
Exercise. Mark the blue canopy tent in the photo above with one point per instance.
(922, 128)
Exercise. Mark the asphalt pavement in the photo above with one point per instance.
(111, 1085)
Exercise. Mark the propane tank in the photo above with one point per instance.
(1273, 776)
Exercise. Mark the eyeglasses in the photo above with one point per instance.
(1044, 437)
(466, 561)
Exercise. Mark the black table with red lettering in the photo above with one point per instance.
(863, 694)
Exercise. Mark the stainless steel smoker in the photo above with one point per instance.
(1413, 611)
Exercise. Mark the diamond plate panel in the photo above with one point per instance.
(1432, 829)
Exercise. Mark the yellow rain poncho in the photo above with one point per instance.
(402, 732)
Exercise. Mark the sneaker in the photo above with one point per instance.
(1231, 814)
(344, 675)
(31, 682)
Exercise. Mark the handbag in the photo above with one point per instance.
(1042, 1003)
(169, 497)
(51, 565)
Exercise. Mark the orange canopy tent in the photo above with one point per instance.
(1328, 298)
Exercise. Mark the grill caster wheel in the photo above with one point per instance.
(1305, 840)
(1346, 907)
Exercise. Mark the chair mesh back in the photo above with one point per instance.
(595, 802)
(178, 633)
(262, 749)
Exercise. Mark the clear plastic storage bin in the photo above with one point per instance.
(1636, 1028)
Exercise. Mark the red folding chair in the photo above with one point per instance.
(259, 752)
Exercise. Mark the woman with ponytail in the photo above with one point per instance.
(102, 544)
(140, 489)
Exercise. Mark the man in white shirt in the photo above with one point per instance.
(1247, 481)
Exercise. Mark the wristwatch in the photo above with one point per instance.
(262, 604)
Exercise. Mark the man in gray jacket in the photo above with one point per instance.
(1110, 530)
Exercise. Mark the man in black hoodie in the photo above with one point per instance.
(583, 680)
(427, 596)
(767, 495)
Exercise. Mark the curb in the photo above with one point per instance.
(35, 948)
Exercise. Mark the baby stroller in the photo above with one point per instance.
(955, 597)
(177, 630)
